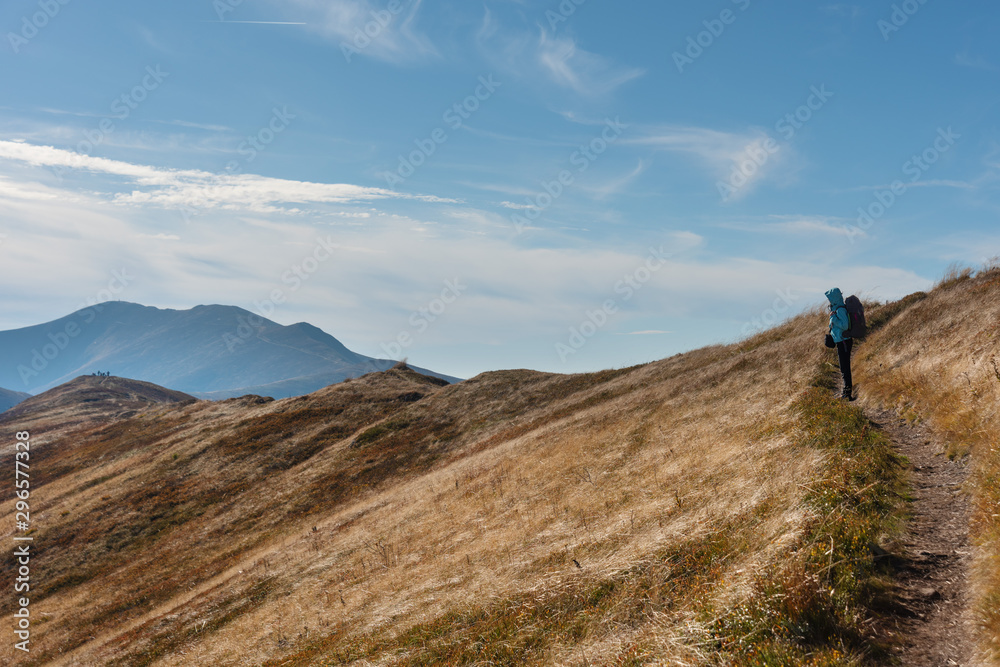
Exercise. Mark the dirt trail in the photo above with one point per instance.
(931, 619)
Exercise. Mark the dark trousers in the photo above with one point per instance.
(844, 354)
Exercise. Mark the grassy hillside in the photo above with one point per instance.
(716, 507)
(938, 360)
(83, 403)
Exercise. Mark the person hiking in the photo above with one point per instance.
(840, 322)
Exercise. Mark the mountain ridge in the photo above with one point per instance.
(718, 506)
(208, 350)
(9, 398)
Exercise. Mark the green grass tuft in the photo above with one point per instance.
(813, 612)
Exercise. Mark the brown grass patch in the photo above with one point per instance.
(517, 516)
(939, 362)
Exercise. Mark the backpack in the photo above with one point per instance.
(856, 314)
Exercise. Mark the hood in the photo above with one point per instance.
(835, 297)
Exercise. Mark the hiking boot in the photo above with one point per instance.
(847, 393)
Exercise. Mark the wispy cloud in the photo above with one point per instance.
(930, 183)
(197, 126)
(719, 152)
(618, 185)
(67, 112)
(388, 267)
(844, 10)
(966, 59)
(25, 191)
(502, 188)
(586, 73)
(523, 52)
(389, 37)
(792, 225)
(179, 188)
(712, 146)
(261, 22)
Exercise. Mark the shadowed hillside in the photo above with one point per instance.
(716, 507)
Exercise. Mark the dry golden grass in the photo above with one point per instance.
(82, 404)
(615, 517)
(186, 535)
(939, 361)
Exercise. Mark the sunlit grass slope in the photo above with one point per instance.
(939, 360)
(716, 507)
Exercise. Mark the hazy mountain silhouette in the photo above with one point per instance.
(9, 399)
(208, 351)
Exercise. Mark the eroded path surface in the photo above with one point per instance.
(931, 620)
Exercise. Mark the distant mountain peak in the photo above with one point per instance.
(210, 350)
(9, 399)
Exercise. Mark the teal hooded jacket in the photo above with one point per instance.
(840, 321)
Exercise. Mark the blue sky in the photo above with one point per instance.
(565, 186)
